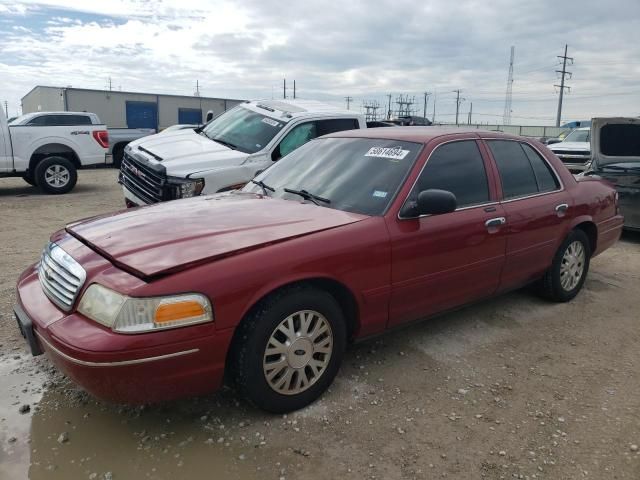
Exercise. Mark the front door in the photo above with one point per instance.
(443, 261)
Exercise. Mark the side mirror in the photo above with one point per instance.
(551, 141)
(431, 202)
(209, 116)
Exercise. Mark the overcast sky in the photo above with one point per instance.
(363, 49)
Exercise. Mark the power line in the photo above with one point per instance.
(562, 86)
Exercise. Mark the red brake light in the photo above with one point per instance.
(102, 137)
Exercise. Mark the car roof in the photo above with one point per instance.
(299, 108)
(420, 134)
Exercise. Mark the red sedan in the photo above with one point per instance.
(350, 235)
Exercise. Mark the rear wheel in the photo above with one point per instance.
(56, 175)
(567, 274)
(289, 349)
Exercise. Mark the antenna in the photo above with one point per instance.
(506, 118)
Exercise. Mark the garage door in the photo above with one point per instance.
(191, 116)
(142, 115)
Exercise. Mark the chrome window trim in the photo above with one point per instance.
(135, 361)
(524, 197)
(466, 207)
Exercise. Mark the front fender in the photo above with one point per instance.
(225, 177)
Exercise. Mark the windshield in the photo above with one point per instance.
(359, 175)
(243, 129)
(578, 136)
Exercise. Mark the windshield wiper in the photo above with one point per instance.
(225, 143)
(308, 196)
(264, 186)
(620, 168)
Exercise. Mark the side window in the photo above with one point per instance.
(458, 168)
(78, 120)
(297, 137)
(326, 127)
(37, 121)
(515, 169)
(546, 179)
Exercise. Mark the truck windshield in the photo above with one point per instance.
(577, 136)
(359, 175)
(243, 129)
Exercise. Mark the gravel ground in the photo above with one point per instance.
(513, 387)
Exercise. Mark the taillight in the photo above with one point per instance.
(102, 137)
(616, 200)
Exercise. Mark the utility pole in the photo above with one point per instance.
(197, 92)
(433, 116)
(506, 118)
(110, 88)
(389, 109)
(458, 103)
(284, 88)
(470, 113)
(348, 99)
(6, 108)
(426, 99)
(294, 89)
(562, 86)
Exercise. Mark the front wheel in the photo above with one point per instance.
(56, 175)
(289, 349)
(567, 274)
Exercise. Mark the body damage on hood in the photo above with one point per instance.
(168, 237)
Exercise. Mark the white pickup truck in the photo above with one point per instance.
(47, 148)
(227, 152)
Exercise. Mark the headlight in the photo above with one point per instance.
(187, 188)
(136, 315)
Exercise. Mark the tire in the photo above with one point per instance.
(27, 177)
(56, 175)
(117, 153)
(251, 364)
(569, 269)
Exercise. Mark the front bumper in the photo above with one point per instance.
(116, 367)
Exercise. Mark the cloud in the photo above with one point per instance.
(365, 49)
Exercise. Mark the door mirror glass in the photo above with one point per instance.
(435, 202)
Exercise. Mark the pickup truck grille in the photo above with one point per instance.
(61, 277)
(144, 182)
(572, 156)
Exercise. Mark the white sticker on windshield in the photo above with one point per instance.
(379, 194)
(270, 121)
(394, 153)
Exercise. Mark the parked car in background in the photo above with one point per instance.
(228, 151)
(575, 150)
(47, 148)
(120, 137)
(615, 147)
(348, 236)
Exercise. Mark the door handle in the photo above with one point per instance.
(495, 222)
(561, 208)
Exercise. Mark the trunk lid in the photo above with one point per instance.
(615, 140)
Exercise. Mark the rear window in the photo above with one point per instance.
(60, 120)
(620, 140)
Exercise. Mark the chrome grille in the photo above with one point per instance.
(144, 182)
(61, 277)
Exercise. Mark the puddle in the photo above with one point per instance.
(21, 384)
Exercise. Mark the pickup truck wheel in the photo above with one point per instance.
(27, 177)
(289, 349)
(56, 175)
(118, 153)
(567, 274)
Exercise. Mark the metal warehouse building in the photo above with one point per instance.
(119, 109)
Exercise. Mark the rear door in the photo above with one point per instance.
(443, 261)
(536, 207)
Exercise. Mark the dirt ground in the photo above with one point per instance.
(513, 387)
